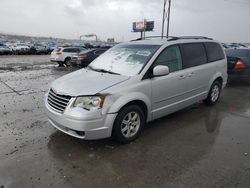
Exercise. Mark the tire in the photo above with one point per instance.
(60, 64)
(67, 61)
(214, 94)
(129, 124)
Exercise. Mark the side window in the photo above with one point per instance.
(214, 51)
(67, 50)
(75, 50)
(170, 57)
(194, 54)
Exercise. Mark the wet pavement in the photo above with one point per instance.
(197, 147)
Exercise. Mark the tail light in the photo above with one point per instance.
(240, 64)
(82, 57)
(58, 53)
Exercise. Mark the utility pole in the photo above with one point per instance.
(169, 8)
(163, 18)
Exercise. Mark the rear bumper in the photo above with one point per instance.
(91, 126)
(243, 74)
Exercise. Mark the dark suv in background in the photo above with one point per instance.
(85, 57)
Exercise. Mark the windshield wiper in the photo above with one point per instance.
(102, 70)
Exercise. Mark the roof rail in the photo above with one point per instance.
(189, 37)
(172, 38)
(149, 37)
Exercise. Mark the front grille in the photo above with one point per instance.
(58, 102)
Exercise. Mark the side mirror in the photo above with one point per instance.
(160, 70)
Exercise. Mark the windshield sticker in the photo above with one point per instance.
(144, 53)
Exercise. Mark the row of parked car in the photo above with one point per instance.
(25, 49)
(235, 45)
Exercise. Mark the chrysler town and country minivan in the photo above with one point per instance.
(134, 83)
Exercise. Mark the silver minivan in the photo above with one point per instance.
(134, 83)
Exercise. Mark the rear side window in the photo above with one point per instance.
(194, 54)
(67, 50)
(75, 50)
(170, 57)
(214, 51)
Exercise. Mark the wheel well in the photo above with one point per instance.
(67, 58)
(139, 103)
(220, 80)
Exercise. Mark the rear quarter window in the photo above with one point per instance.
(194, 54)
(67, 50)
(214, 51)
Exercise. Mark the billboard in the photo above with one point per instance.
(143, 26)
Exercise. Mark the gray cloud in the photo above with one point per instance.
(225, 20)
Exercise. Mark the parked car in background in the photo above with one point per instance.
(40, 49)
(63, 55)
(85, 57)
(20, 49)
(238, 64)
(134, 83)
(5, 50)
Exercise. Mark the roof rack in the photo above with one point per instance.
(172, 38)
(150, 37)
(189, 37)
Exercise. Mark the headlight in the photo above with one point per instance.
(90, 102)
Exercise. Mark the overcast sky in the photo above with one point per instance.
(224, 20)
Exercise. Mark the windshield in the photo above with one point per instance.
(84, 51)
(125, 60)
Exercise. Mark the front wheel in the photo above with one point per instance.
(214, 94)
(129, 124)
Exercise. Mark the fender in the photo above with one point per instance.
(217, 75)
(125, 99)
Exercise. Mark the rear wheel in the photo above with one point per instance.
(67, 61)
(214, 94)
(128, 124)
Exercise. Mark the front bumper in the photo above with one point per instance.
(90, 126)
(55, 60)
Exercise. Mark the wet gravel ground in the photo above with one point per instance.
(197, 147)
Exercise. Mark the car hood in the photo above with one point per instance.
(86, 82)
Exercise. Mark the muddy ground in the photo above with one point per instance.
(196, 147)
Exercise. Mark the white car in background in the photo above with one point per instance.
(63, 55)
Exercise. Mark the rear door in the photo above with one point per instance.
(198, 71)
